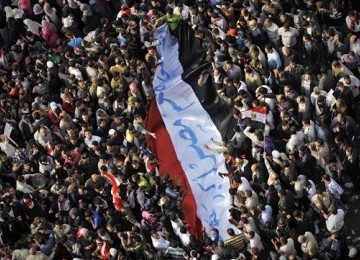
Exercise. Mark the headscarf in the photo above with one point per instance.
(32, 26)
(8, 11)
(72, 4)
(38, 9)
(86, 9)
(46, 26)
(51, 13)
(18, 13)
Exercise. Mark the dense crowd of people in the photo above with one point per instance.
(76, 81)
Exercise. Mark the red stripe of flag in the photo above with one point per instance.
(170, 165)
(115, 191)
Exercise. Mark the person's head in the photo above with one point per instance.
(252, 24)
(281, 193)
(268, 48)
(88, 134)
(298, 215)
(251, 235)
(285, 125)
(254, 167)
(229, 65)
(340, 86)
(248, 193)
(326, 178)
(334, 8)
(231, 232)
(333, 210)
(340, 118)
(286, 27)
(43, 131)
(268, 22)
(155, 234)
(335, 236)
(302, 239)
(169, 11)
(321, 101)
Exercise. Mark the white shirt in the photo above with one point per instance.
(288, 38)
(20, 254)
(272, 32)
(314, 97)
(312, 190)
(176, 226)
(355, 47)
(266, 215)
(354, 85)
(76, 72)
(24, 187)
(289, 248)
(7, 148)
(184, 13)
(335, 222)
(252, 137)
(160, 243)
(295, 141)
(310, 132)
(245, 185)
(185, 238)
(256, 242)
(89, 142)
(348, 23)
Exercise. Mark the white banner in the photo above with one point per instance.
(191, 128)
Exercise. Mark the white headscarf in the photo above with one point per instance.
(18, 13)
(86, 9)
(72, 4)
(51, 13)
(8, 12)
(32, 26)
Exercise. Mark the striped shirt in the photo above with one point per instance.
(236, 242)
(334, 189)
(176, 252)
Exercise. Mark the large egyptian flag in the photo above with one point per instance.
(185, 117)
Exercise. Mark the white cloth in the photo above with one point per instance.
(335, 222)
(266, 215)
(245, 185)
(256, 242)
(161, 243)
(33, 26)
(185, 239)
(289, 248)
(76, 72)
(7, 148)
(176, 226)
(89, 142)
(184, 14)
(295, 141)
(354, 85)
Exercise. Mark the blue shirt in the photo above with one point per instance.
(274, 61)
(97, 219)
(75, 43)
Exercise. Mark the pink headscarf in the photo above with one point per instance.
(48, 26)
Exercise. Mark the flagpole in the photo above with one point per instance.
(264, 132)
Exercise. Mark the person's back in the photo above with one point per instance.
(20, 254)
(236, 242)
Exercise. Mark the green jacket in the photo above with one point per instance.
(172, 21)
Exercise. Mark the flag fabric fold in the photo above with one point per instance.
(192, 56)
(115, 191)
(188, 127)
